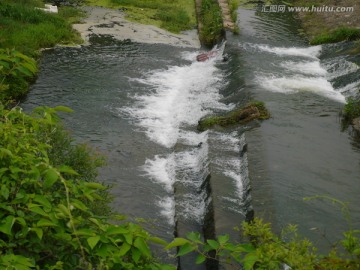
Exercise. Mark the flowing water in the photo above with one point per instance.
(139, 105)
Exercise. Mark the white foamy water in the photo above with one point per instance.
(167, 205)
(161, 170)
(193, 206)
(192, 138)
(305, 67)
(294, 84)
(177, 98)
(178, 95)
(234, 166)
(309, 52)
(351, 89)
(338, 66)
(304, 75)
(189, 168)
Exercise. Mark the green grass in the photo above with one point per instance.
(341, 34)
(351, 109)
(27, 29)
(212, 23)
(174, 16)
(233, 5)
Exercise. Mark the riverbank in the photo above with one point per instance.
(327, 27)
(24, 31)
(113, 22)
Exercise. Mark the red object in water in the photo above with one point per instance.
(205, 56)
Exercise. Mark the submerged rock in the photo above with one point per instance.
(254, 110)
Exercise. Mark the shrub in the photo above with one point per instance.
(351, 109)
(16, 69)
(47, 217)
(266, 250)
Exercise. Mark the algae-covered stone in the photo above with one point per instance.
(254, 110)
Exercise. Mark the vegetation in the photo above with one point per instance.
(254, 110)
(268, 251)
(233, 6)
(15, 71)
(174, 16)
(325, 27)
(54, 214)
(340, 34)
(48, 215)
(351, 109)
(26, 29)
(210, 18)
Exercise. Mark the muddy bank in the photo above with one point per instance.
(104, 21)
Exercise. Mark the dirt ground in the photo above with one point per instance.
(105, 21)
(317, 23)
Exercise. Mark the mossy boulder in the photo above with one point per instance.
(254, 110)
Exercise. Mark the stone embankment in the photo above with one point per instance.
(227, 21)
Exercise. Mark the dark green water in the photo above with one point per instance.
(139, 104)
(301, 151)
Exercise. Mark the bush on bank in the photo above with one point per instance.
(53, 213)
(16, 70)
(351, 110)
(268, 251)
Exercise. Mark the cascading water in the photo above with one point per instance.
(304, 151)
(139, 105)
(178, 97)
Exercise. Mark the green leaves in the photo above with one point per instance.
(4, 192)
(18, 262)
(92, 241)
(15, 69)
(7, 224)
(140, 244)
(185, 249)
(50, 212)
(51, 176)
(177, 242)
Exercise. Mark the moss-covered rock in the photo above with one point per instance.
(254, 110)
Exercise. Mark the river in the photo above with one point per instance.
(139, 104)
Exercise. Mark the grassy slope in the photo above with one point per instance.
(328, 27)
(27, 30)
(175, 16)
